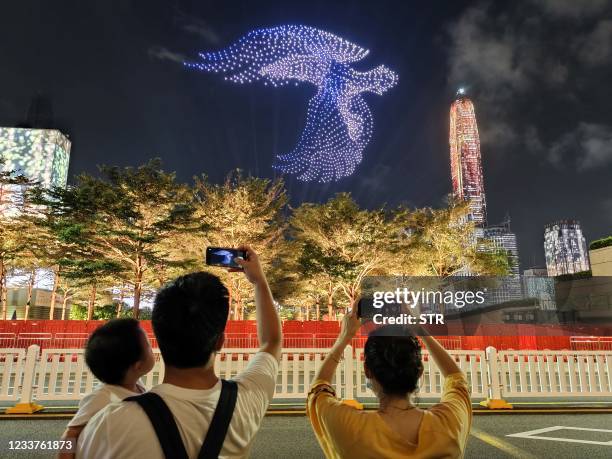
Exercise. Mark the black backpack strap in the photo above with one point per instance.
(164, 424)
(213, 442)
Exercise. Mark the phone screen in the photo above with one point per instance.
(224, 257)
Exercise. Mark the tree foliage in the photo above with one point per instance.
(114, 238)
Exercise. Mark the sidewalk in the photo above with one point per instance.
(59, 409)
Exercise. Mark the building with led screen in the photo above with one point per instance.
(565, 248)
(42, 155)
(466, 166)
(502, 238)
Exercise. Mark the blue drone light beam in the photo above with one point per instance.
(338, 123)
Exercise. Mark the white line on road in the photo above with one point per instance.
(534, 434)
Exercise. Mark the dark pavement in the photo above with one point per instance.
(291, 436)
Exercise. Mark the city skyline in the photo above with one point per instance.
(543, 109)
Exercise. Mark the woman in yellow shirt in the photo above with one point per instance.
(398, 429)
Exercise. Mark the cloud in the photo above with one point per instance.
(590, 144)
(596, 47)
(194, 25)
(164, 54)
(203, 31)
(378, 178)
(606, 207)
(529, 69)
(572, 8)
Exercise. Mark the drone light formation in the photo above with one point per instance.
(339, 123)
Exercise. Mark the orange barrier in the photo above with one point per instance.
(308, 334)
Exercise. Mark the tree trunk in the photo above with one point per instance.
(137, 287)
(318, 309)
(235, 299)
(238, 310)
(238, 299)
(3, 292)
(56, 275)
(64, 306)
(330, 304)
(121, 298)
(230, 299)
(92, 301)
(161, 275)
(26, 315)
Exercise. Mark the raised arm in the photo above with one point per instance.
(269, 329)
(350, 326)
(441, 357)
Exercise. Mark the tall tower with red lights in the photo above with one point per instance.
(466, 163)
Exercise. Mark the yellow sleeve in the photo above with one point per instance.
(455, 407)
(334, 423)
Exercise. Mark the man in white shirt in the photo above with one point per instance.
(189, 316)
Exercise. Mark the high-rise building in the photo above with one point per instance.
(537, 284)
(41, 155)
(565, 248)
(503, 238)
(466, 163)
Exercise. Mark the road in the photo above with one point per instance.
(291, 436)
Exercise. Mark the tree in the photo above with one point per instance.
(443, 243)
(123, 218)
(12, 241)
(341, 244)
(242, 210)
(65, 230)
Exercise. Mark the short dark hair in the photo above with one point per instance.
(189, 316)
(393, 356)
(113, 348)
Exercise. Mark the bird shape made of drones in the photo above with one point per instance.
(339, 123)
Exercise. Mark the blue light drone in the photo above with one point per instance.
(338, 122)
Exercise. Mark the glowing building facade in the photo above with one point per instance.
(504, 239)
(466, 164)
(41, 155)
(565, 248)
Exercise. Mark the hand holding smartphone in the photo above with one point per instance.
(224, 257)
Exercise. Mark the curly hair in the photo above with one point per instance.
(393, 357)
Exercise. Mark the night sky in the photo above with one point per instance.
(538, 71)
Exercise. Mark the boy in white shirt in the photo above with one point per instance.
(189, 318)
(118, 353)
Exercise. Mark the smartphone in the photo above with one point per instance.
(367, 310)
(224, 257)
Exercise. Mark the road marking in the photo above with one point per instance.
(534, 434)
(502, 445)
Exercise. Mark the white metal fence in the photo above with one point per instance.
(61, 374)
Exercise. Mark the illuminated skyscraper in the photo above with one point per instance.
(565, 248)
(466, 164)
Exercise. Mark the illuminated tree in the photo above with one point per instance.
(13, 244)
(443, 243)
(341, 244)
(338, 121)
(120, 222)
(242, 210)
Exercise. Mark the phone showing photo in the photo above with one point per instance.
(223, 257)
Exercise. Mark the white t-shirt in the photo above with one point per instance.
(102, 396)
(123, 430)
